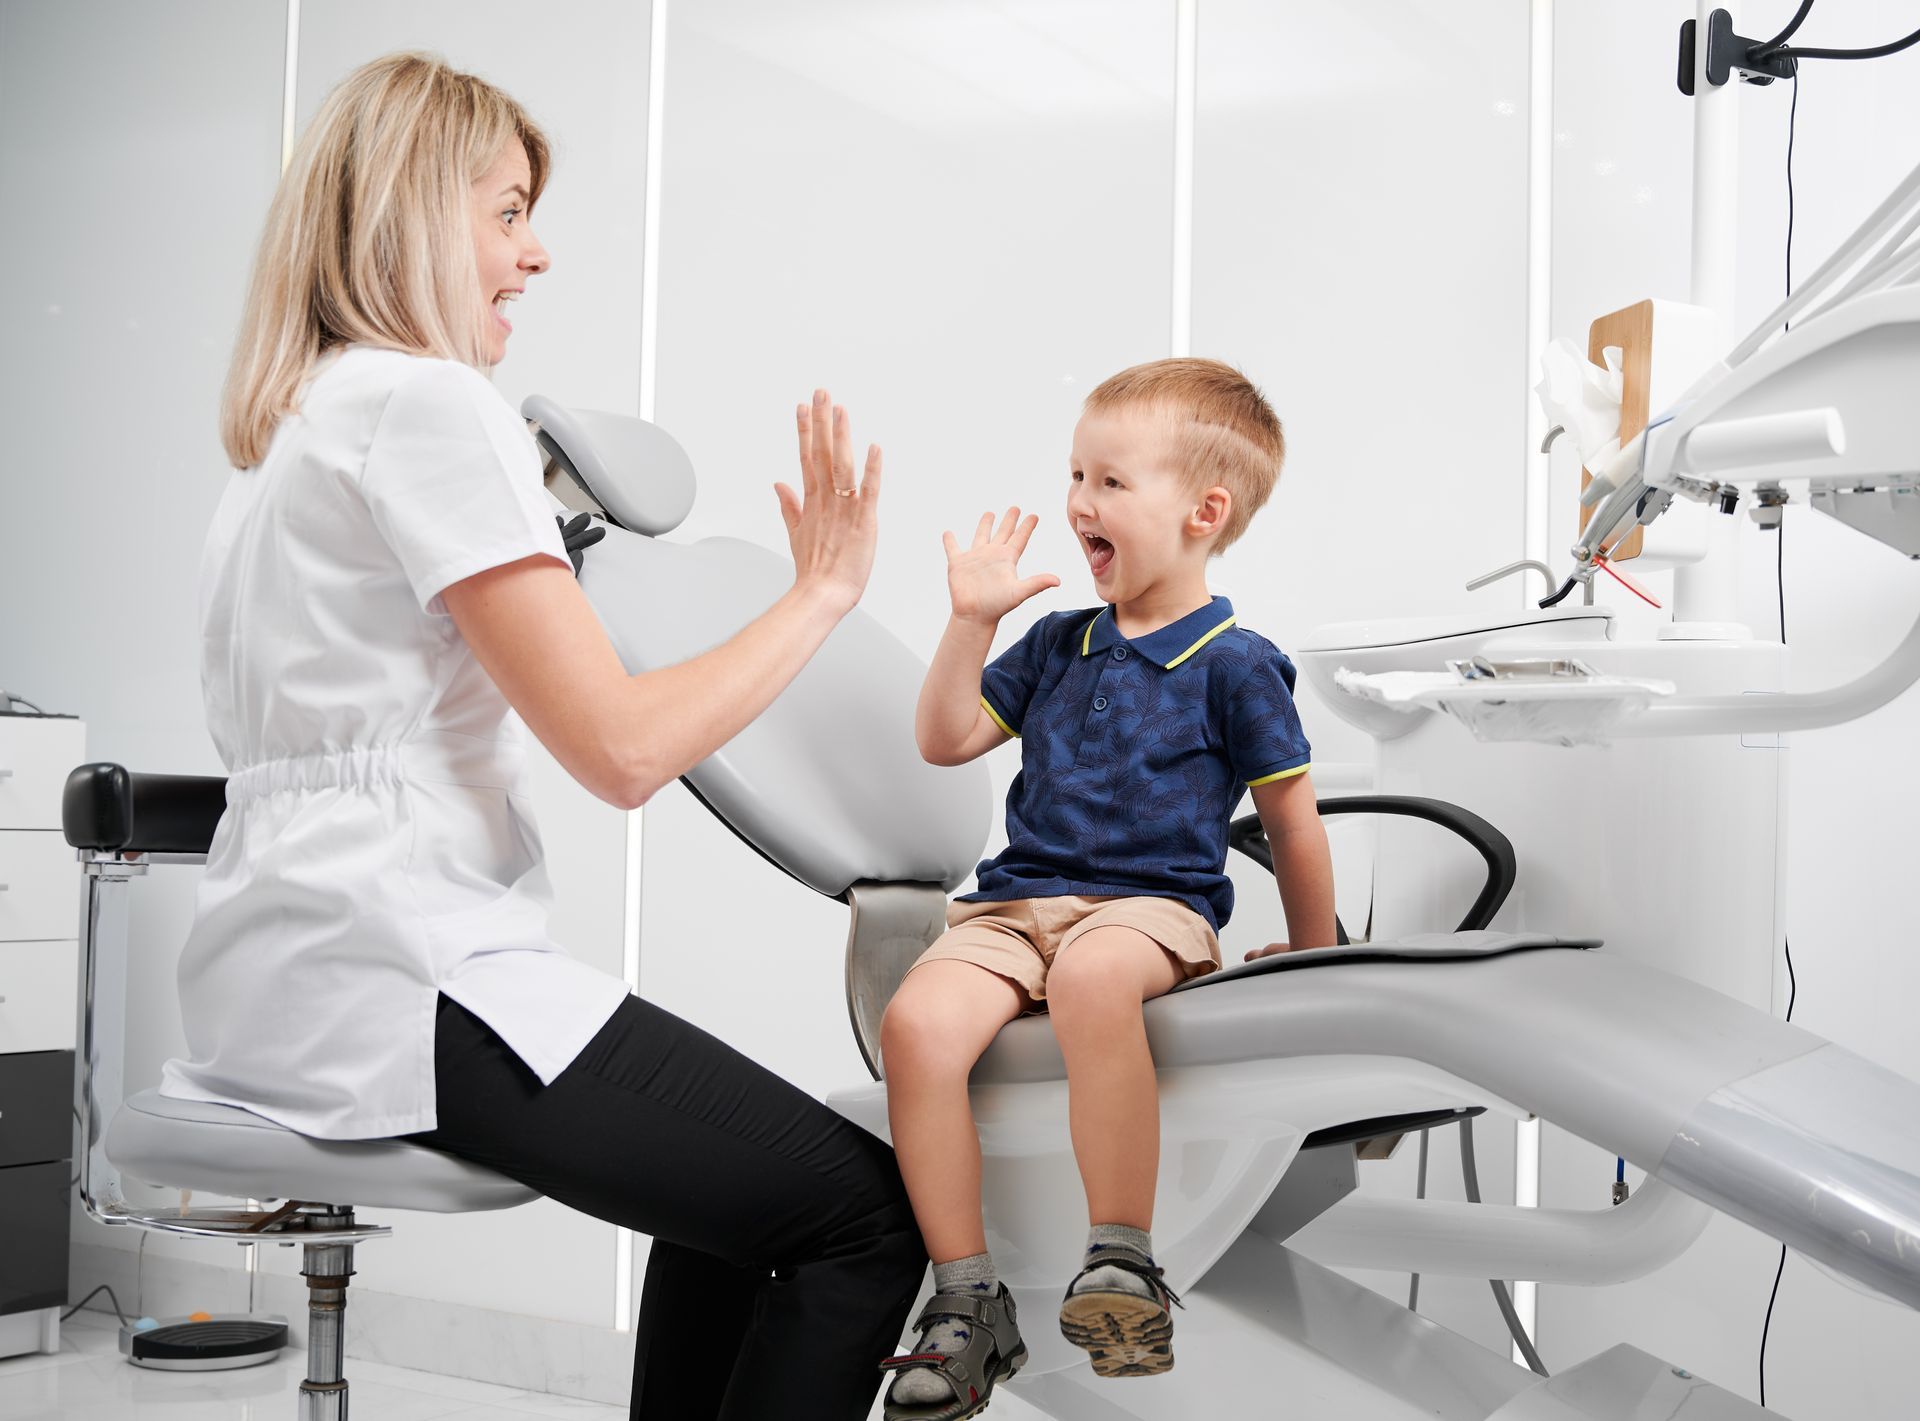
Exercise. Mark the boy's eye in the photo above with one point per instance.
(1112, 482)
(1077, 476)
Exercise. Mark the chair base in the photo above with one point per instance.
(221, 1343)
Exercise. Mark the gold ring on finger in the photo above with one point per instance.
(845, 492)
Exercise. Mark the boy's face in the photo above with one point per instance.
(1128, 501)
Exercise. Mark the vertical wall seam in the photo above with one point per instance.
(1185, 73)
(289, 82)
(649, 387)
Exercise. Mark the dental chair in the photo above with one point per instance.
(1271, 1073)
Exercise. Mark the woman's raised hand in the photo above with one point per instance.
(984, 581)
(831, 523)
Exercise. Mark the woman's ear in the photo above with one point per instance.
(1210, 514)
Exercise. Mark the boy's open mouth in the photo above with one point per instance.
(1099, 552)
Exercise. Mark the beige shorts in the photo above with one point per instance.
(1019, 939)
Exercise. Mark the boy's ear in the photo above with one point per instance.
(1209, 515)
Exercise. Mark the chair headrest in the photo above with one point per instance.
(635, 470)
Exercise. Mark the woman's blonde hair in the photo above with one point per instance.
(369, 238)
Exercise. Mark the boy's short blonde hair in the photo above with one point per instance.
(1225, 431)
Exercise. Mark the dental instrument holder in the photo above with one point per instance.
(1727, 52)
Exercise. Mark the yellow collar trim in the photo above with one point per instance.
(1086, 639)
(1198, 644)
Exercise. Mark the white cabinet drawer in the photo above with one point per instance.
(42, 877)
(36, 755)
(39, 995)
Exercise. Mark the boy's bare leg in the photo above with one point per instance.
(1094, 992)
(938, 1024)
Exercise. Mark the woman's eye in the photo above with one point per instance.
(509, 215)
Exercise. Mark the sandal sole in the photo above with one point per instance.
(1125, 1334)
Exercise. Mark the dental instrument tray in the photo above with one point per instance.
(1556, 701)
(1530, 670)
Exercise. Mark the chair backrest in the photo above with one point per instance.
(827, 782)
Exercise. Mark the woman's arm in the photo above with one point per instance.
(623, 737)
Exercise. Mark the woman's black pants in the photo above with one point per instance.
(785, 1254)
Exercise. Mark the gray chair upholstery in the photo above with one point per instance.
(185, 1144)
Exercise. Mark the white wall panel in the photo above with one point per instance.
(1360, 250)
(956, 217)
(141, 147)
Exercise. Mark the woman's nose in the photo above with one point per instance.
(534, 259)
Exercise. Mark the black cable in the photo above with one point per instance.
(1798, 17)
(1420, 1192)
(1780, 585)
(1793, 114)
(1470, 1177)
(1793, 993)
(103, 1288)
(1780, 573)
(1879, 51)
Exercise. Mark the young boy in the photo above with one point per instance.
(1141, 722)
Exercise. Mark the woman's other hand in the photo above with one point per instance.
(1269, 950)
(831, 523)
(984, 581)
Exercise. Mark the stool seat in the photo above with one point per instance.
(221, 1149)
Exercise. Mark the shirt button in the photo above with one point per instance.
(1099, 702)
(1119, 653)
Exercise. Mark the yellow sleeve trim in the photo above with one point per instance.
(1283, 775)
(1200, 643)
(988, 705)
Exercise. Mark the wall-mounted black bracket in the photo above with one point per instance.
(1726, 52)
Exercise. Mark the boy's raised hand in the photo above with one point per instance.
(984, 581)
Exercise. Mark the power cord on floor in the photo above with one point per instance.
(103, 1288)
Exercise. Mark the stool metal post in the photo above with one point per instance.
(327, 1267)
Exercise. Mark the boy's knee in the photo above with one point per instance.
(1084, 978)
(911, 1031)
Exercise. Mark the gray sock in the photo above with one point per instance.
(1117, 1280)
(963, 1275)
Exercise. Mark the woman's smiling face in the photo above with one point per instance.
(505, 251)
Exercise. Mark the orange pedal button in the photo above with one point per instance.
(200, 1317)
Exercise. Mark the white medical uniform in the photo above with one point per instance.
(378, 847)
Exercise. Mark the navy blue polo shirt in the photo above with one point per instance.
(1133, 755)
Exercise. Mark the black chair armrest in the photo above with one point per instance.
(108, 807)
(1494, 847)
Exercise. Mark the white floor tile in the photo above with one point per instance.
(89, 1381)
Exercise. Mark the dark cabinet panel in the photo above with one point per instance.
(36, 1107)
(33, 1265)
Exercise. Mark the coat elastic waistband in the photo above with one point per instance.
(445, 759)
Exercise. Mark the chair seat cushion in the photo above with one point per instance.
(221, 1149)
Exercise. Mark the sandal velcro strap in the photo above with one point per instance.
(985, 1311)
(1127, 1260)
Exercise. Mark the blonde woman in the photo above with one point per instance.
(383, 589)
